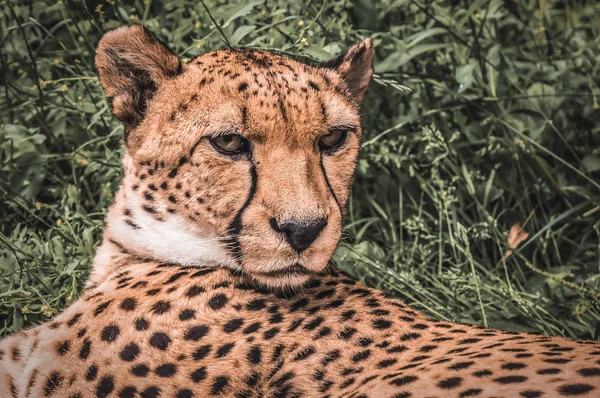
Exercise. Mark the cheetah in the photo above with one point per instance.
(214, 277)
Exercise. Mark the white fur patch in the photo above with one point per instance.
(170, 241)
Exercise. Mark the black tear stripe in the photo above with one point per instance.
(329, 185)
(233, 242)
(244, 117)
(323, 111)
(282, 109)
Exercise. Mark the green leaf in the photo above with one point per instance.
(239, 10)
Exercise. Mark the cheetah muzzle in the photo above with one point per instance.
(214, 275)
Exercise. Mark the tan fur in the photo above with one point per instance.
(194, 292)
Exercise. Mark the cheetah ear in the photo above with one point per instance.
(356, 67)
(132, 64)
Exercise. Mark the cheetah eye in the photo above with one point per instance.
(230, 144)
(329, 143)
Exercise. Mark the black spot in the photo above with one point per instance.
(224, 349)
(217, 302)
(139, 284)
(470, 392)
(74, 320)
(91, 373)
(202, 272)
(150, 392)
(63, 348)
(347, 333)
(326, 331)
(172, 174)
(397, 349)
(149, 209)
(335, 303)
(362, 355)
(404, 380)
(486, 355)
(588, 372)
(187, 314)
(348, 315)
(105, 386)
(128, 392)
(557, 360)
(198, 375)
(243, 86)
(219, 385)
(305, 353)
(184, 393)
(427, 348)
(386, 362)
(303, 302)
(525, 355)
(166, 370)
(254, 355)
(233, 325)
(252, 380)
(140, 370)
(281, 380)
(513, 366)
(129, 304)
(409, 336)
(194, 291)
(160, 307)
(325, 293)
(314, 323)
(449, 383)
(330, 357)
(202, 352)
(461, 365)
(176, 276)
(531, 394)
(575, 389)
(110, 333)
(468, 341)
(130, 352)
(255, 305)
(101, 308)
(53, 383)
(141, 324)
(482, 373)
(510, 379)
(160, 340)
(314, 85)
(252, 328)
(381, 324)
(195, 333)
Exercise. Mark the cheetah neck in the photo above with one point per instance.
(165, 238)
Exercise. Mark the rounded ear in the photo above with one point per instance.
(132, 63)
(355, 66)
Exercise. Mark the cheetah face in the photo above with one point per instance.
(240, 157)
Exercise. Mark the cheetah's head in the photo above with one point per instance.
(241, 158)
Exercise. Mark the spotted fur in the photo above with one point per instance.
(196, 291)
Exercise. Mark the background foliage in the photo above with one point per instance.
(483, 114)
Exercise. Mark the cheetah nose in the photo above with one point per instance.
(300, 233)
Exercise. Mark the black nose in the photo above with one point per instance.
(300, 233)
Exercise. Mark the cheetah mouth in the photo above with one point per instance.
(296, 269)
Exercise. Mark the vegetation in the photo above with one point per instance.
(483, 114)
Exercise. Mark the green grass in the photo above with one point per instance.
(482, 114)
